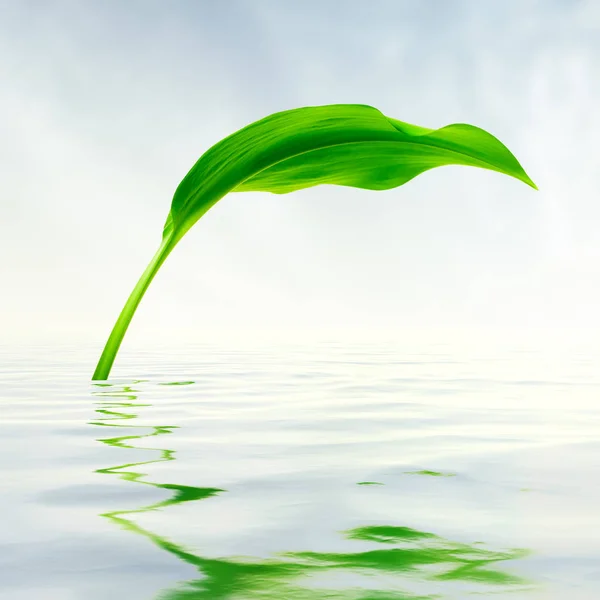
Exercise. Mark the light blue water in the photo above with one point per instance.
(307, 472)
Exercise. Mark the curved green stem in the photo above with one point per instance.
(118, 332)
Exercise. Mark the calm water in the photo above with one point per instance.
(308, 472)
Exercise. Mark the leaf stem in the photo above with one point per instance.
(118, 332)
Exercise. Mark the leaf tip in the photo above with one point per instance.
(526, 179)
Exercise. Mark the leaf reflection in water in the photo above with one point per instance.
(400, 561)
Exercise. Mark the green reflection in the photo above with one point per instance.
(430, 473)
(181, 493)
(383, 562)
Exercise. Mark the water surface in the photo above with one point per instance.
(301, 472)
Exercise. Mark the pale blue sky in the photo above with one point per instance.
(105, 105)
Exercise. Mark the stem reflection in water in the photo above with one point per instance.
(400, 557)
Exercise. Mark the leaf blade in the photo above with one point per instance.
(264, 148)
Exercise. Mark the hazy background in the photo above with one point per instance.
(105, 105)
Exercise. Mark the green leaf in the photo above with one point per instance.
(342, 144)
